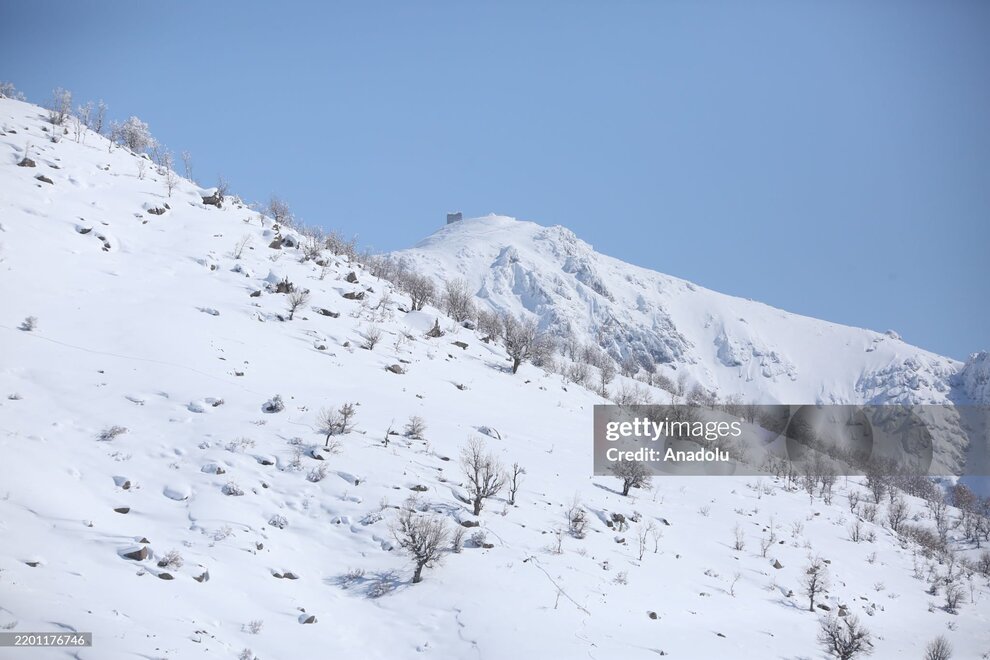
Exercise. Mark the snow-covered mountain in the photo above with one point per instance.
(165, 481)
(731, 345)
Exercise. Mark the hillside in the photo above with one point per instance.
(138, 416)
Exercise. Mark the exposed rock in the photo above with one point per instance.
(214, 200)
(165, 576)
(256, 294)
(327, 312)
(652, 615)
(351, 277)
(470, 523)
(138, 554)
(123, 509)
(26, 162)
(419, 488)
(354, 295)
(461, 345)
(307, 619)
(395, 369)
(435, 331)
(45, 179)
(777, 564)
(204, 577)
(157, 210)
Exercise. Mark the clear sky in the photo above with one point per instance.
(830, 158)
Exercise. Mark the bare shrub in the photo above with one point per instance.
(457, 300)
(59, 106)
(419, 288)
(844, 638)
(111, 432)
(371, 336)
(415, 428)
(295, 300)
(242, 245)
(318, 473)
(279, 211)
(29, 324)
(938, 649)
(172, 559)
(231, 488)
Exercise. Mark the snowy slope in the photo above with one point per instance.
(731, 345)
(148, 322)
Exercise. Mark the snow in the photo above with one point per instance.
(121, 340)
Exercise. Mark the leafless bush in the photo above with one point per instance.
(242, 245)
(897, 512)
(231, 488)
(279, 212)
(29, 324)
(577, 519)
(318, 473)
(489, 324)
(415, 428)
(278, 521)
(422, 536)
(457, 300)
(419, 288)
(59, 106)
(953, 596)
(371, 336)
(295, 300)
(111, 432)
(483, 472)
(739, 539)
(337, 422)
(172, 559)
(844, 638)
(938, 649)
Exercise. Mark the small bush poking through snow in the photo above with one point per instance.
(231, 488)
(172, 559)
(254, 627)
(279, 521)
(318, 473)
(415, 427)
(274, 404)
(111, 432)
(29, 324)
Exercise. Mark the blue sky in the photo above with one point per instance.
(830, 158)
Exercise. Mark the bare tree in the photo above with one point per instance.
(489, 324)
(938, 649)
(515, 480)
(423, 537)
(187, 164)
(59, 106)
(632, 473)
(897, 512)
(606, 373)
(171, 180)
(337, 422)
(815, 581)
(483, 472)
(457, 300)
(372, 335)
(279, 211)
(419, 288)
(844, 638)
(524, 342)
(296, 300)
